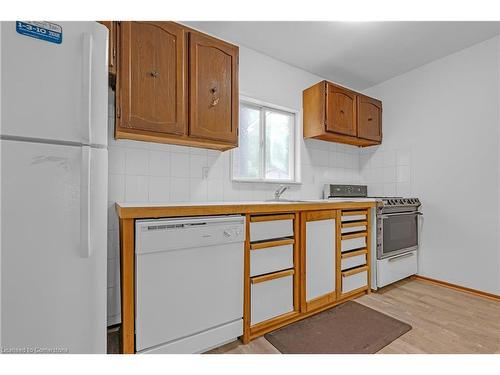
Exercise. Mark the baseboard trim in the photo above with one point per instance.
(460, 288)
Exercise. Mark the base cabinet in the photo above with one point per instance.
(293, 268)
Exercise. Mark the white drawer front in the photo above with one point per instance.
(353, 243)
(267, 230)
(390, 270)
(353, 282)
(361, 228)
(353, 218)
(271, 298)
(356, 261)
(271, 259)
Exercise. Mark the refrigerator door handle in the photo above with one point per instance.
(87, 87)
(85, 237)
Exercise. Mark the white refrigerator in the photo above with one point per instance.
(54, 164)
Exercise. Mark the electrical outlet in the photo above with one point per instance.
(204, 172)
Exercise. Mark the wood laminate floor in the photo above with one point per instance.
(443, 321)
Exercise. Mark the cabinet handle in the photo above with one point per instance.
(370, 119)
(155, 74)
(215, 102)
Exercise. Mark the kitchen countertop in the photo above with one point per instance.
(154, 210)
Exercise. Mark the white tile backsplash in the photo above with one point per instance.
(179, 164)
(386, 172)
(196, 164)
(136, 162)
(136, 188)
(159, 189)
(116, 160)
(179, 189)
(116, 187)
(159, 163)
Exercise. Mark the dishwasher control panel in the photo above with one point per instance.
(188, 232)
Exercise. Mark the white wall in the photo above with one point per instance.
(443, 122)
(149, 172)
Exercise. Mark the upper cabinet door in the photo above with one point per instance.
(213, 72)
(340, 110)
(369, 118)
(152, 77)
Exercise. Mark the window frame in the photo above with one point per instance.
(296, 132)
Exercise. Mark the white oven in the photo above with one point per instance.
(399, 222)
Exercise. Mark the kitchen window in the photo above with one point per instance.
(267, 150)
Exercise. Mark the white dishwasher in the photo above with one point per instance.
(189, 283)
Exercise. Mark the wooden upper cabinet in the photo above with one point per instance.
(369, 118)
(152, 77)
(213, 89)
(175, 85)
(340, 110)
(336, 114)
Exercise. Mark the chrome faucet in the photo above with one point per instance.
(280, 191)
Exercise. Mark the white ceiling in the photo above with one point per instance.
(356, 54)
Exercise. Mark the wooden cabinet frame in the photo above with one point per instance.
(128, 215)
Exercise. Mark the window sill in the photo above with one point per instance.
(271, 182)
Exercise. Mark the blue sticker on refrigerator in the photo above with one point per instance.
(42, 30)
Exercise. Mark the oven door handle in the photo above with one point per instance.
(386, 216)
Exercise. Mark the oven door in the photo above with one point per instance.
(400, 233)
